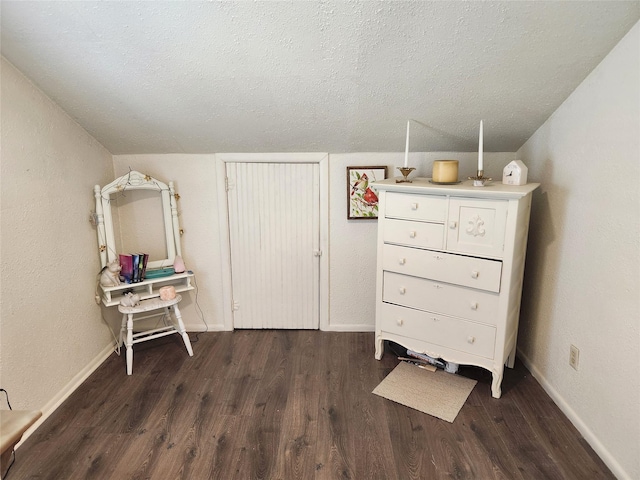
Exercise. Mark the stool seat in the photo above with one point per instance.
(169, 311)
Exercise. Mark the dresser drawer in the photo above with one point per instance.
(444, 267)
(440, 297)
(424, 208)
(448, 332)
(416, 234)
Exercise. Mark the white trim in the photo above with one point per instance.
(324, 241)
(575, 419)
(225, 247)
(322, 159)
(68, 389)
(199, 327)
(350, 327)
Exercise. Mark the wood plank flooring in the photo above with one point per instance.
(289, 404)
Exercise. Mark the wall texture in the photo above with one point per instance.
(582, 277)
(51, 329)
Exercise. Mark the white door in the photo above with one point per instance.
(274, 236)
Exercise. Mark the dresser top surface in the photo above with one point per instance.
(494, 189)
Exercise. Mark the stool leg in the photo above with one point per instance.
(129, 344)
(123, 328)
(181, 329)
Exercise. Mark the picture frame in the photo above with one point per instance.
(362, 200)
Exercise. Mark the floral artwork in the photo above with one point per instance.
(362, 198)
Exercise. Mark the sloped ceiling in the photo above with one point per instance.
(334, 76)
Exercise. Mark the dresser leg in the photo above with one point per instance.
(379, 348)
(496, 391)
(511, 359)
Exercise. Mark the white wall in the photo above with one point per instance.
(51, 331)
(582, 276)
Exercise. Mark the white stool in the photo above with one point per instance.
(145, 306)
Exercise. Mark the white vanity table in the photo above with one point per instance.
(450, 270)
(109, 248)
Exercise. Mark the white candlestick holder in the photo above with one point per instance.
(406, 171)
(480, 180)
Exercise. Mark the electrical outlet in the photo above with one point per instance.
(574, 356)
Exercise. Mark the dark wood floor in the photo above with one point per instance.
(284, 404)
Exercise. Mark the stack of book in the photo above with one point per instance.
(134, 267)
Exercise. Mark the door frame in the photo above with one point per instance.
(322, 159)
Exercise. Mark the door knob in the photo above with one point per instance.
(402, 261)
(414, 206)
(453, 225)
(474, 305)
(412, 234)
(399, 321)
(402, 290)
(474, 274)
(471, 339)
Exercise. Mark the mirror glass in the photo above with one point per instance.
(140, 219)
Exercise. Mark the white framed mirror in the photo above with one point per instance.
(146, 219)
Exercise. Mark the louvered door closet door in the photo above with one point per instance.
(274, 233)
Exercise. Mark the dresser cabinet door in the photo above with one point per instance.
(477, 226)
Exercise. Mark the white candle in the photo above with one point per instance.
(480, 148)
(406, 150)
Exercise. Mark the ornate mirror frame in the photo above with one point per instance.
(104, 219)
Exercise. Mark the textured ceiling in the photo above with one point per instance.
(334, 76)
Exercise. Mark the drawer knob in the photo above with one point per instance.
(402, 290)
(412, 234)
(414, 206)
(474, 305)
(400, 322)
(471, 339)
(453, 225)
(402, 261)
(474, 274)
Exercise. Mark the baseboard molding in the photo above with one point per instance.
(69, 388)
(349, 328)
(575, 419)
(199, 328)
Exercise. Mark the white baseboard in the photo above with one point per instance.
(349, 328)
(199, 328)
(584, 430)
(68, 389)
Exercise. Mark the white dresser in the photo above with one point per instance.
(450, 270)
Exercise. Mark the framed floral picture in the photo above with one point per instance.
(362, 200)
